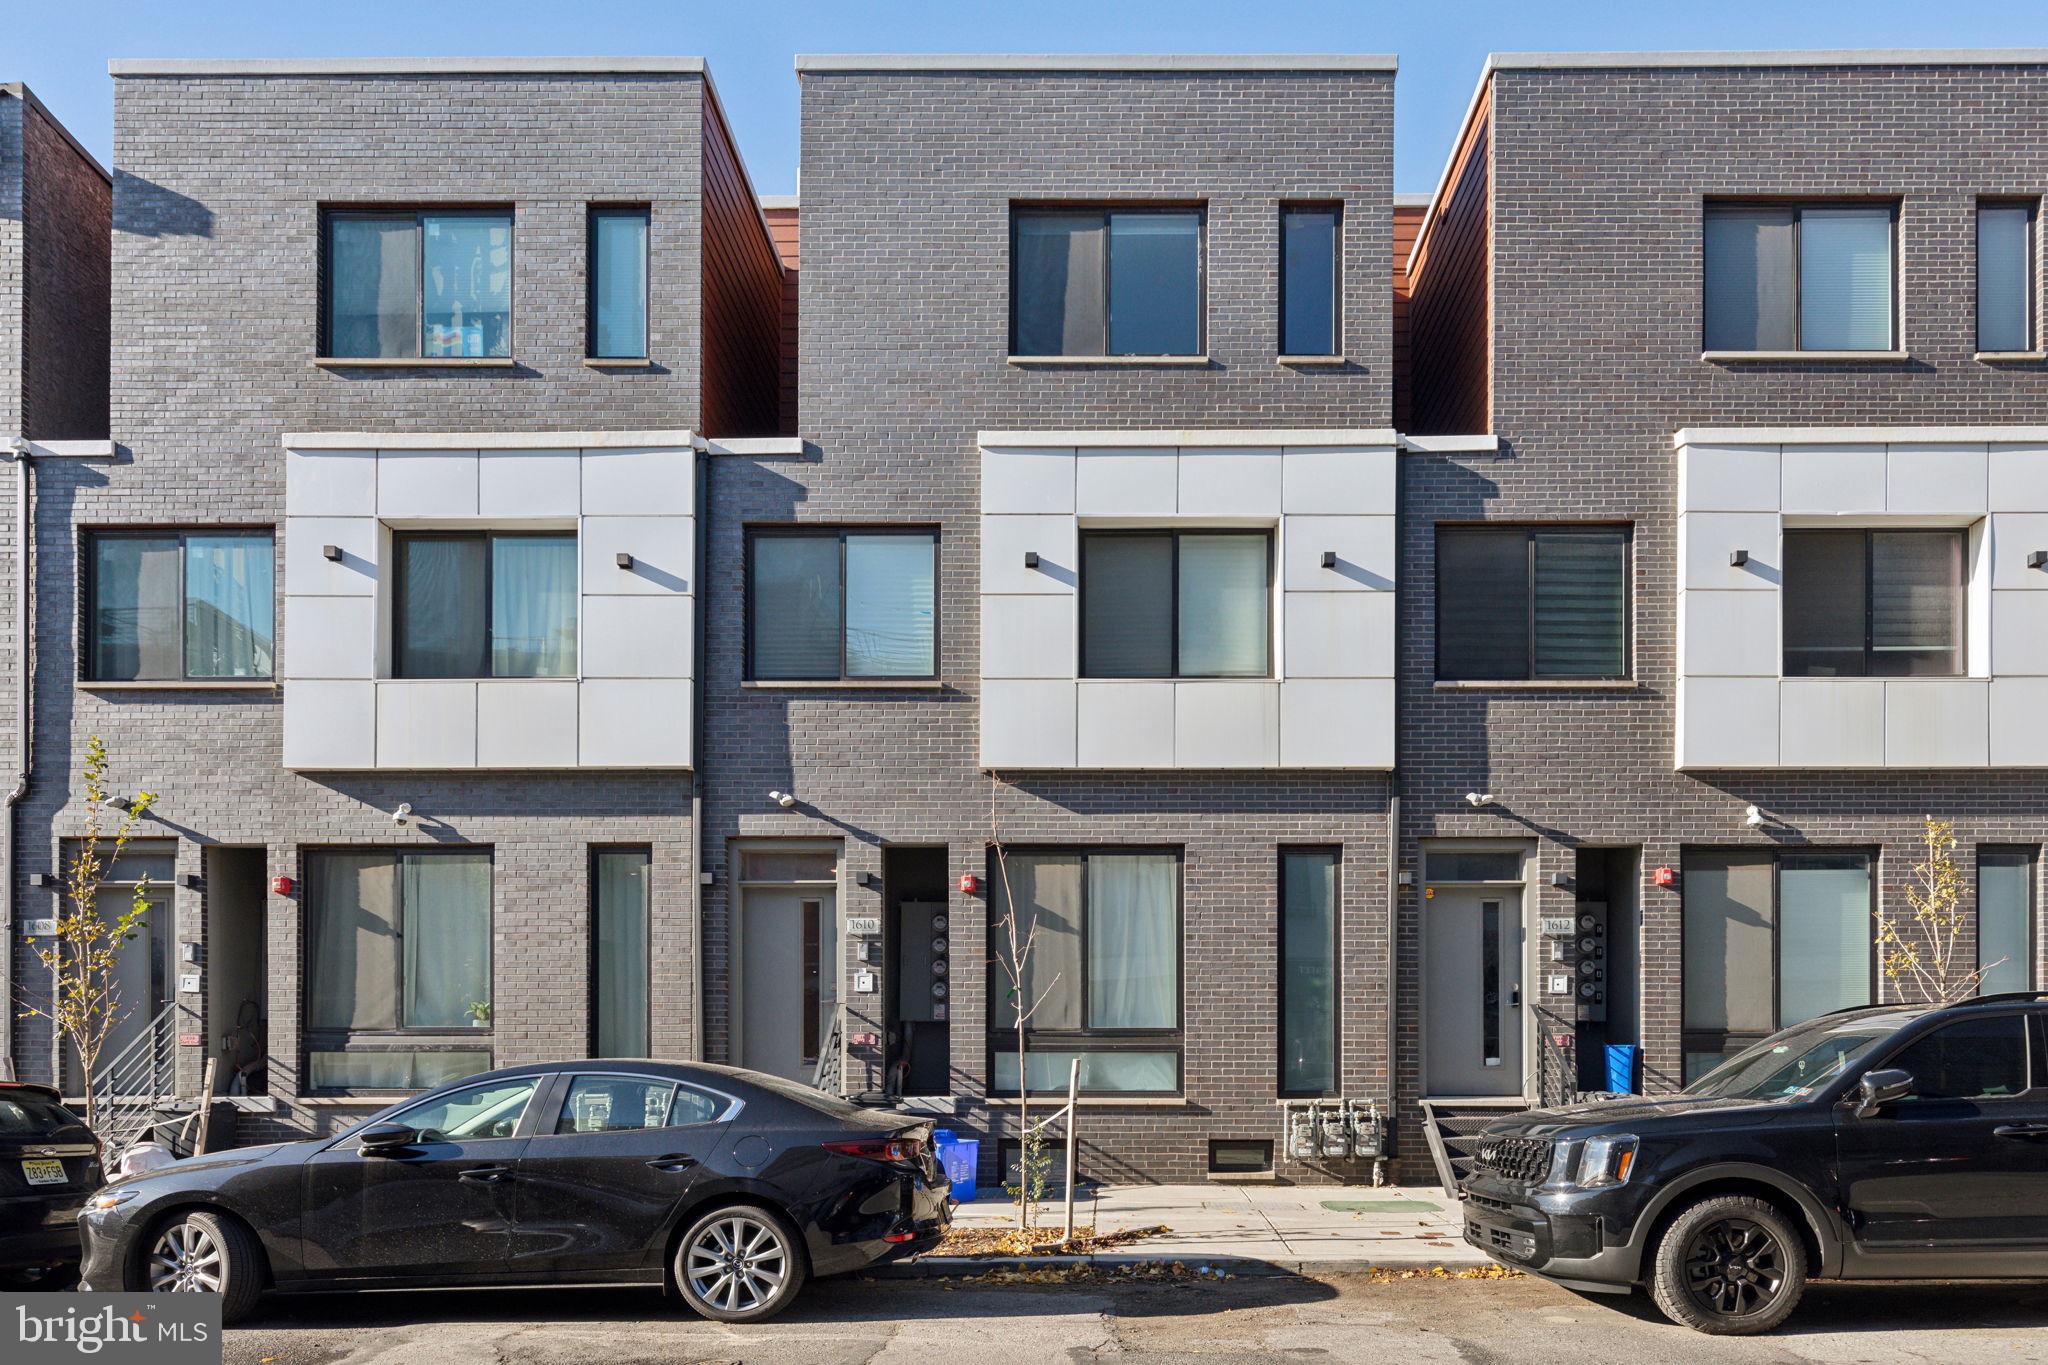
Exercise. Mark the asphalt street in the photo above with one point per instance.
(1412, 1322)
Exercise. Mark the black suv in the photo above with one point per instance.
(1878, 1143)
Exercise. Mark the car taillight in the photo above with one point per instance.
(894, 1151)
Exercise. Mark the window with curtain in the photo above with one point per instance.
(398, 966)
(1770, 940)
(1105, 281)
(485, 604)
(1308, 971)
(1176, 604)
(1788, 277)
(618, 283)
(1515, 603)
(2005, 920)
(2005, 276)
(174, 605)
(1104, 969)
(404, 283)
(620, 977)
(829, 604)
(1311, 249)
(1880, 604)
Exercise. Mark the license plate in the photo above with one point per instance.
(44, 1172)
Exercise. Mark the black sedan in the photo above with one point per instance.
(49, 1164)
(726, 1186)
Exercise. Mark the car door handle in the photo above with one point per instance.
(484, 1175)
(674, 1163)
(2025, 1132)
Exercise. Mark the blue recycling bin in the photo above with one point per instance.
(958, 1156)
(1621, 1068)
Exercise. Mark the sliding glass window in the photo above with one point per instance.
(1880, 604)
(1091, 282)
(486, 604)
(406, 283)
(619, 969)
(1515, 603)
(618, 284)
(1308, 971)
(1176, 604)
(171, 606)
(1800, 277)
(828, 604)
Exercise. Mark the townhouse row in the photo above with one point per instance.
(1397, 651)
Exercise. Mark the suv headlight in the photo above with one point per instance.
(1606, 1160)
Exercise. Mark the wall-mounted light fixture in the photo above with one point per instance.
(1737, 558)
(1562, 880)
(120, 803)
(402, 814)
(44, 879)
(623, 560)
(189, 880)
(1479, 800)
(2037, 559)
(1329, 559)
(782, 799)
(331, 552)
(1031, 559)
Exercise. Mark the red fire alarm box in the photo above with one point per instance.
(969, 883)
(281, 886)
(1664, 876)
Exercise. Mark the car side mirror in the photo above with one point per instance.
(382, 1139)
(1880, 1088)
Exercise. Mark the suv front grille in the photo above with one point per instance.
(1524, 1160)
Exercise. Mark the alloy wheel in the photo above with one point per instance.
(1734, 1268)
(737, 1263)
(185, 1259)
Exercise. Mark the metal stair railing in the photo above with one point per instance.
(131, 1086)
(825, 1075)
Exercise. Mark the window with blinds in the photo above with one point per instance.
(1096, 281)
(1176, 604)
(1878, 604)
(2005, 277)
(1781, 277)
(827, 604)
(1525, 603)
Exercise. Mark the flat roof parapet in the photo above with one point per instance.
(405, 66)
(1826, 56)
(1188, 63)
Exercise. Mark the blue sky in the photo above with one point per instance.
(61, 47)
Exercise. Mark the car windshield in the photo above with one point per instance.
(1793, 1063)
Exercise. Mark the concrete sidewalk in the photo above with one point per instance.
(1246, 1229)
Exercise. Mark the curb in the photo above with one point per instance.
(945, 1267)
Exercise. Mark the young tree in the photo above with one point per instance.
(1925, 954)
(1015, 942)
(84, 1003)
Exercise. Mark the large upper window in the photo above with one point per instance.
(1105, 281)
(1771, 940)
(178, 605)
(2005, 919)
(828, 604)
(398, 967)
(1102, 982)
(485, 604)
(1880, 604)
(1176, 604)
(1308, 971)
(2005, 276)
(618, 283)
(1311, 247)
(1783, 277)
(1519, 602)
(432, 283)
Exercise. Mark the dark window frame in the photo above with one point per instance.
(1962, 598)
(419, 213)
(755, 533)
(1085, 1039)
(592, 214)
(2029, 857)
(2032, 208)
(89, 595)
(592, 859)
(1733, 1042)
(1530, 531)
(1173, 535)
(1336, 943)
(1334, 207)
(398, 586)
(1798, 207)
(400, 1039)
(1052, 208)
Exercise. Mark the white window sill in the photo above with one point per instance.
(1095, 1102)
(1332, 360)
(175, 685)
(597, 362)
(859, 684)
(1126, 360)
(1844, 357)
(2008, 357)
(416, 362)
(1542, 685)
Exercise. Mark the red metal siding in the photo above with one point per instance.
(742, 296)
(1451, 294)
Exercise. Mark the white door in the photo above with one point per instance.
(789, 977)
(1472, 1043)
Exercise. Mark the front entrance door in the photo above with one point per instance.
(1472, 1039)
(789, 977)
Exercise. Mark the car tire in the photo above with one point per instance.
(1729, 1266)
(205, 1253)
(740, 1263)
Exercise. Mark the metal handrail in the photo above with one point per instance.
(825, 1074)
(130, 1086)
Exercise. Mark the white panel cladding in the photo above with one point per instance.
(1029, 637)
(526, 723)
(634, 625)
(1736, 710)
(1124, 725)
(1333, 627)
